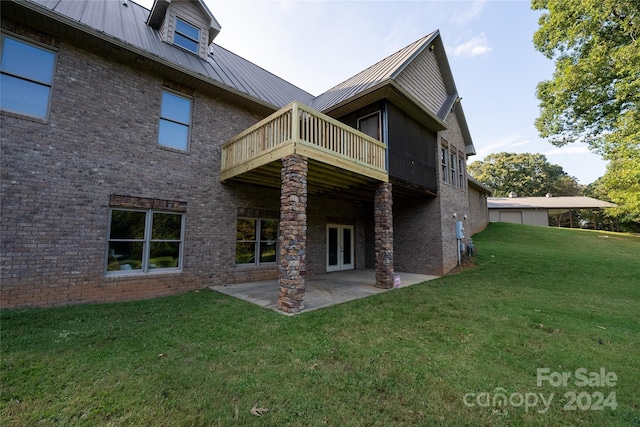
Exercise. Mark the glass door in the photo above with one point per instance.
(340, 247)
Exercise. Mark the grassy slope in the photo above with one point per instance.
(539, 297)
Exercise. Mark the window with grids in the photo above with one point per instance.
(256, 241)
(461, 176)
(141, 241)
(444, 162)
(26, 78)
(175, 121)
(186, 36)
(453, 161)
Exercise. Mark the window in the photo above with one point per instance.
(444, 160)
(186, 36)
(26, 78)
(141, 241)
(175, 121)
(461, 180)
(452, 167)
(256, 241)
(370, 125)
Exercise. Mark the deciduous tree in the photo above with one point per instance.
(526, 174)
(594, 95)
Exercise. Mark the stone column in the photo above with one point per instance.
(293, 233)
(383, 221)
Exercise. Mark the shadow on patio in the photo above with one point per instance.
(321, 290)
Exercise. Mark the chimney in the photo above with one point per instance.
(548, 195)
(513, 194)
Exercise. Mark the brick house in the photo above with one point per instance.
(140, 159)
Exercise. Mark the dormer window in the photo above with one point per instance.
(186, 36)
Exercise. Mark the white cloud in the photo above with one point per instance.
(465, 12)
(478, 45)
(568, 149)
(504, 144)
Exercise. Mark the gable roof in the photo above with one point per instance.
(433, 88)
(379, 73)
(159, 9)
(573, 202)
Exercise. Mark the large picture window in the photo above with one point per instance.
(186, 36)
(26, 78)
(175, 121)
(256, 241)
(141, 241)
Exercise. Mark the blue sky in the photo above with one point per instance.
(318, 44)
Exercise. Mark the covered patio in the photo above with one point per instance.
(321, 290)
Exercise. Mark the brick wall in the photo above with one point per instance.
(479, 214)
(100, 140)
(452, 200)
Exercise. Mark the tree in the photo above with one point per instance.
(526, 174)
(594, 95)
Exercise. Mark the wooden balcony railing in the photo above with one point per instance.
(299, 129)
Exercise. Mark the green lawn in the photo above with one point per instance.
(538, 298)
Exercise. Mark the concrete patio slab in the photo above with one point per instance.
(321, 290)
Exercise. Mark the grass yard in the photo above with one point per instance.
(439, 353)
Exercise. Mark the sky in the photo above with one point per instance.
(316, 44)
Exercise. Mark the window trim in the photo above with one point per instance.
(146, 241)
(50, 49)
(186, 36)
(256, 252)
(188, 125)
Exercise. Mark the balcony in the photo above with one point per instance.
(340, 157)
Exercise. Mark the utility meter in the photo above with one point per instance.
(459, 230)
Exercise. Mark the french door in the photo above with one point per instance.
(340, 247)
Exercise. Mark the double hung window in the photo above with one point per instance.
(186, 36)
(444, 162)
(26, 78)
(175, 121)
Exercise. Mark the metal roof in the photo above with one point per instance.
(575, 202)
(125, 21)
(375, 75)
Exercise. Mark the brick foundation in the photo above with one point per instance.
(293, 233)
(383, 218)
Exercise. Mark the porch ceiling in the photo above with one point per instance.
(322, 178)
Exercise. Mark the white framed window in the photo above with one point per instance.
(142, 241)
(186, 36)
(371, 125)
(444, 162)
(26, 78)
(175, 121)
(256, 241)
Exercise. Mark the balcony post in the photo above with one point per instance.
(293, 233)
(295, 122)
(383, 223)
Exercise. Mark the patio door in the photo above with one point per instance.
(339, 247)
